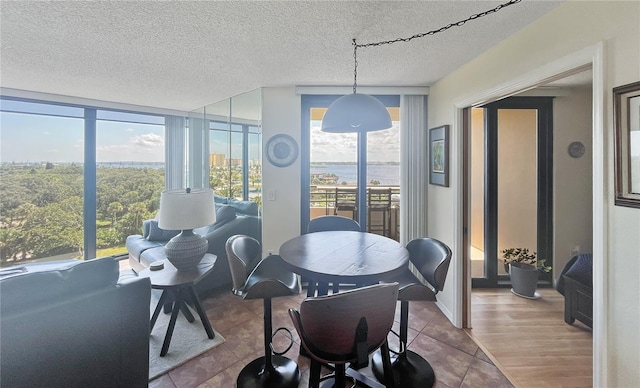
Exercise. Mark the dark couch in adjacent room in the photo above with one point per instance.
(72, 324)
(232, 217)
(576, 284)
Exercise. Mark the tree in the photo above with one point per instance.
(139, 212)
(226, 182)
(114, 209)
(56, 228)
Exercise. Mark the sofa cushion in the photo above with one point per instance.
(245, 207)
(219, 200)
(157, 234)
(42, 284)
(152, 255)
(224, 214)
(145, 228)
(136, 244)
(582, 270)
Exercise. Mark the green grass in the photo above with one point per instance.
(115, 251)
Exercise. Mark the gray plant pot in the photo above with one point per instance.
(524, 279)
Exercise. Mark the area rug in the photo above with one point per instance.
(189, 340)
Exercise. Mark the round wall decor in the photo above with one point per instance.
(576, 149)
(282, 150)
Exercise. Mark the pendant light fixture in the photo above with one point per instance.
(356, 112)
(363, 113)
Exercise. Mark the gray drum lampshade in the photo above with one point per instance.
(185, 210)
(356, 113)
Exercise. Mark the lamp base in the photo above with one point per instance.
(186, 250)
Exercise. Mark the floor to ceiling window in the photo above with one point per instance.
(332, 162)
(129, 175)
(53, 204)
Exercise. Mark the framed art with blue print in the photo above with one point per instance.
(439, 156)
(626, 105)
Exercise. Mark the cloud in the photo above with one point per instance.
(382, 146)
(149, 140)
(147, 147)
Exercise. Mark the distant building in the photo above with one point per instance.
(220, 160)
(217, 160)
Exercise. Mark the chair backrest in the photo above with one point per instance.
(243, 253)
(327, 324)
(330, 223)
(431, 258)
(379, 198)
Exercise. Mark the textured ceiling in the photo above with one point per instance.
(184, 55)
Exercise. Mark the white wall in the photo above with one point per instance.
(565, 30)
(281, 217)
(572, 190)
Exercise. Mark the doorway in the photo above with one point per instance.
(574, 208)
(510, 186)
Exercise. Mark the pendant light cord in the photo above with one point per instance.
(460, 23)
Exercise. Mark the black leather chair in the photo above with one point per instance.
(254, 278)
(346, 328)
(329, 223)
(325, 224)
(431, 259)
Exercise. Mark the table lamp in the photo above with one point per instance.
(185, 210)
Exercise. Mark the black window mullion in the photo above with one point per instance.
(90, 184)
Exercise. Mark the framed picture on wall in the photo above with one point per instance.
(626, 106)
(439, 156)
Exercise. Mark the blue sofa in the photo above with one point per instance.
(232, 217)
(73, 323)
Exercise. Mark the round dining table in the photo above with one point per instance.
(345, 257)
(342, 257)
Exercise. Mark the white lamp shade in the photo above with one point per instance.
(180, 210)
(356, 113)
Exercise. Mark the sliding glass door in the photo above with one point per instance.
(510, 184)
(330, 165)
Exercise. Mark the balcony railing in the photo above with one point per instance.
(383, 203)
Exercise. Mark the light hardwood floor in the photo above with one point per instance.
(529, 341)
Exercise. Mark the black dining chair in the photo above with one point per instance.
(431, 259)
(331, 223)
(326, 224)
(345, 328)
(265, 279)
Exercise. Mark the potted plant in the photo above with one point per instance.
(523, 267)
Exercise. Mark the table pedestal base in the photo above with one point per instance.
(285, 374)
(411, 371)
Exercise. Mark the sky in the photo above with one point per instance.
(45, 138)
(382, 146)
(29, 138)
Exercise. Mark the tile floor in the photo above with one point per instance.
(456, 359)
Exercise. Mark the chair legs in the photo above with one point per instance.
(270, 370)
(409, 369)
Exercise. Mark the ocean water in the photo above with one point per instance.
(387, 174)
